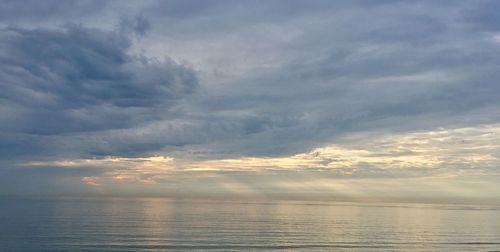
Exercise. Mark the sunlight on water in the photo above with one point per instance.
(171, 225)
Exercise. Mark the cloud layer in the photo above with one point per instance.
(226, 86)
(75, 80)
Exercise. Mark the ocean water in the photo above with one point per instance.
(175, 225)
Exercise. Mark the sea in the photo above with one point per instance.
(155, 224)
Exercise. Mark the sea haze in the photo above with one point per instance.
(197, 225)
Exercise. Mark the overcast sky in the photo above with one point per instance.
(308, 99)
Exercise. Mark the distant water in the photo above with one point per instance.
(170, 225)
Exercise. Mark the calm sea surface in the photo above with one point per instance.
(171, 225)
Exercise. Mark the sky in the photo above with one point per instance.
(287, 99)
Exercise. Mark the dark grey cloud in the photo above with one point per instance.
(78, 79)
(482, 15)
(137, 24)
(14, 11)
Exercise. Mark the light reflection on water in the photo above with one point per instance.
(173, 225)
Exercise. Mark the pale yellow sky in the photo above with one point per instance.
(443, 163)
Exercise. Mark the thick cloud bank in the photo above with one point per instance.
(76, 79)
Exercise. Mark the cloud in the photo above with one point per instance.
(443, 162)
(138, 25)
(482, 15)
(448, 150)
(254, 83)
(286, 83)
(15, 11)
(313, 76)
(78, 79)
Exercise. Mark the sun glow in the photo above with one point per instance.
(364, 166)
